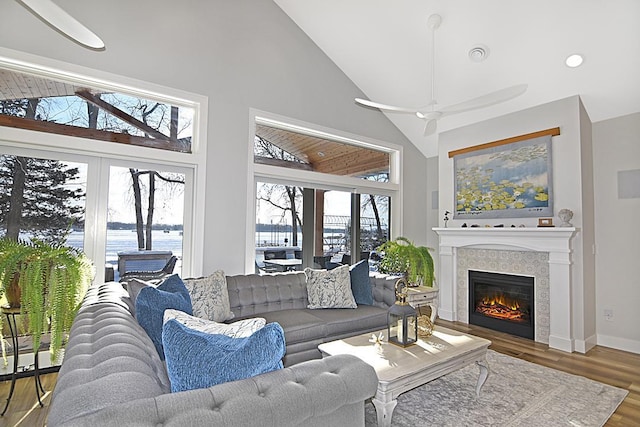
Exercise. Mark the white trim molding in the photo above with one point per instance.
(556, 241)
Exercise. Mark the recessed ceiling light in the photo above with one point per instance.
(574, 60)
(479, 53)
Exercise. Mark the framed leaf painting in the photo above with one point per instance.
(506, 181)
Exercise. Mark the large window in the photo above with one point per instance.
(139, 195)
(321, 198)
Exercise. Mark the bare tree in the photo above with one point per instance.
(374, 201)
(286, 198)
(144, 230)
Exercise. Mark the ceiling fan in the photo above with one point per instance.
(60, 20)
(431, 112)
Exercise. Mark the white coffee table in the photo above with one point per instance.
(402, 369)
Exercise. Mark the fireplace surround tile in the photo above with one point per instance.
(523, 263)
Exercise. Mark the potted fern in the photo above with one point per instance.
(47, 281)
(401, 256)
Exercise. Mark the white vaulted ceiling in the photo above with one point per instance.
(383, 46)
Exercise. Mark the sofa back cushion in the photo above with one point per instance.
(254, 294)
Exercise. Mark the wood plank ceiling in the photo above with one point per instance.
(26, 86)
(327, 156)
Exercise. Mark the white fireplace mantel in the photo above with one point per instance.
(553, 240)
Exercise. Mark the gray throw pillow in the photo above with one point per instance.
(329, 288)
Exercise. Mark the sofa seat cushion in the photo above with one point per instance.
(300, 325)
(363, 318)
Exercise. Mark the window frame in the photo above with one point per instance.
(308, 179)
(100, 155)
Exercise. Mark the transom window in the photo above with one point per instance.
(35, 102)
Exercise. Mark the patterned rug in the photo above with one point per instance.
(517, 393)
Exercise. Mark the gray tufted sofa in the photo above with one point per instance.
(113, 376)
(282, 298)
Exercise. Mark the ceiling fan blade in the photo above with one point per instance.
(483, 101)
(379, 106)
(56, 17)
(430, 127)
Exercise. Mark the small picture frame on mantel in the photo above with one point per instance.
(545, 222)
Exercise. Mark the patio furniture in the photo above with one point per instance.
(280, 265)
(142, 260)
(151, 275)
(275, 254)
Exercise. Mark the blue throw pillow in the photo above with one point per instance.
(196, 359)
(153, 301)
(360, 285)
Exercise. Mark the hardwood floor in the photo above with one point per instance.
(614, 367)
(609, 366)
(24, 409)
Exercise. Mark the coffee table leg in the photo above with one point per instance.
(384, 411)
(484, 373)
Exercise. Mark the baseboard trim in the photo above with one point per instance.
(447, 315)
(582, 346)
(560, 343)
(618, 343)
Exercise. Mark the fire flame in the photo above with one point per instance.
(502, 307)
(502, 300)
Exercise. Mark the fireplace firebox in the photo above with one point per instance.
(502, 302)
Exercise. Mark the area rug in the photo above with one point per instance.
(517, 393)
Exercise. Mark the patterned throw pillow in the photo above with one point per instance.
(329, 288)
(210, 297)
(239, 329)
(199, 360)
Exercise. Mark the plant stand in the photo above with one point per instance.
(11, 313)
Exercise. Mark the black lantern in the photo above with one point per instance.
(402, 319)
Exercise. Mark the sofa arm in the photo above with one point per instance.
(330, 391)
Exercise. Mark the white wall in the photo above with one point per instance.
(241, 54)
(568, 171)
(616, 147)
(434, 213)
(588, 296)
